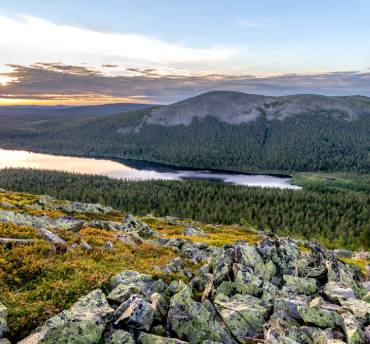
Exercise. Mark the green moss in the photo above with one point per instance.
(361, 264)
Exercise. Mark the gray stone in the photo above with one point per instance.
(290, 304)
(192, 321)
(191, 231)
(123, 292)
(119, 337)
(243, 315)
(359, 309)
(3, 320)
(300, 285)
(83, 323)
(51, 237)
(135, 312)
(147, 338)
(248, 282)
(352, 329)
(337, 290)
(108, 245)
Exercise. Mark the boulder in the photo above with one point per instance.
(83, 323)
(135, 312)
(352, 329)
(51, 237)
(147, 338)
(300, 285)
(291, 304)
(192, 321)
(173, 266)
(360, 309)
(191, 231)
(160, 306)
(191, 251)
(226, 288)
(248, 282)
(123, 292)
(247, 256)
(3, 320)
(243, 315)
(336, 291)
(129, 277)
(118, 337)
(319, 316)
(222, 265)
(108, 245)
(85, 245)
(366, 298)
(132, 224)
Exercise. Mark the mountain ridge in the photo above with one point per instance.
(238, 107)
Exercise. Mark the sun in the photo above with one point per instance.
(4, 80)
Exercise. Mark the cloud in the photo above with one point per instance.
(250, 24)
(67, 83)
(27, 39)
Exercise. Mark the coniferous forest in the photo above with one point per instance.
(336, 218)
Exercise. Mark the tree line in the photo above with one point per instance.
(338, 219)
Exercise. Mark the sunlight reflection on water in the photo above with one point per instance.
(23, 159)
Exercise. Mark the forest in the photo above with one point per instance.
(316, 142)
(328, 215)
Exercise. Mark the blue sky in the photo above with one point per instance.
(265, 38)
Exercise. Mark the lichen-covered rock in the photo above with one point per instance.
(123, 292)
(226, 288)
(3, 319)
(83, 323)
(192, 321)
(248, 256)
(160, 305)
(222, 265)
(132, 224)
(291, 305)
(118, 337)
(147, 338)
(243, 315)
(337, 290)
(174, 265)
(352, 329)
(248, 282)
(128, 277)
(359, 309)
(319, 316)
(51, 237)
(191, 231)
(135, 312)
(366, 298)
(300, 285)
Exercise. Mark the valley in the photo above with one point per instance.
(333, 137)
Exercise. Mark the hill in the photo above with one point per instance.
(102, 276)
(238, 107)
(90, 110)
(222, 130)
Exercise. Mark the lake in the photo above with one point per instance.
(134, 170)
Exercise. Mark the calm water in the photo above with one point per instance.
(136, 171)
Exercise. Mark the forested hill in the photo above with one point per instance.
(225, 130)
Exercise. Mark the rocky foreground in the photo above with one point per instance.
(277, 290)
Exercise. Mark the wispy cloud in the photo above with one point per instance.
(251, 24)
(58, 83)
(27, 39)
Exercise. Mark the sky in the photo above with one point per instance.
(92, 52)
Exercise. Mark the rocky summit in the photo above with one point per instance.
(267, 289)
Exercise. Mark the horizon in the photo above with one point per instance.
(65, 106)
(53, 54)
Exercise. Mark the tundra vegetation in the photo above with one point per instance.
(104, 276)
(334, 211)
